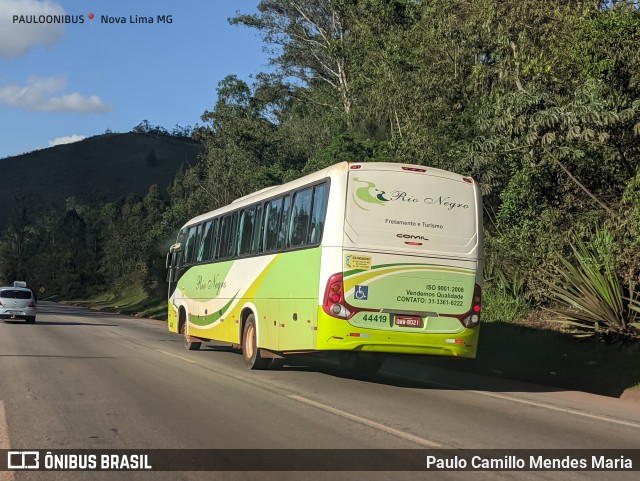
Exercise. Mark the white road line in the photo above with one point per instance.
(4, 441)
(176, 356)
(352, 417)
(534, 403)
(367, 422)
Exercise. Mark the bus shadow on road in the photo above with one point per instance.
(409, 373)
(213, 347)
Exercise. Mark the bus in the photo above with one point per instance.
(360, 260)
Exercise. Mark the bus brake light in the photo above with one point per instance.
(334, 303)
(473, 317)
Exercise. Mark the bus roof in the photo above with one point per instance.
(341, 168)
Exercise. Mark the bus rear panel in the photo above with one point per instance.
(410, 274)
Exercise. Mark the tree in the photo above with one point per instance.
(306, 39)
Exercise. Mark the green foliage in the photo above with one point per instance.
(134, 236)
(593, 300)
(499, 305)
(504, 296)
(606, 47)
(19, 239)
(347, 147)
(626, 228)
(306, 40)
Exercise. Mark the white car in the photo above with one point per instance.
(18, 303)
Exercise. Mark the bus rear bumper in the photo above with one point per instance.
(338, 335)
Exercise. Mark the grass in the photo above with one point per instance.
(135, 302)
(498, 305)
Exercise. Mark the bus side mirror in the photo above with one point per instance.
(168, 261)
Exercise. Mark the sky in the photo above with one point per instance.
(71, 69)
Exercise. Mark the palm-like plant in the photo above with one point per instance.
(592, 298)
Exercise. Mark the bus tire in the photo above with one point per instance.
(189, 345)
(250, 349)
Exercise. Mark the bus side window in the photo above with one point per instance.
(300, 217)
(255, 244)
(271, 225)
(245, 233)
(205, 242)
(234, 234)
(217, 242)
(221, 249)
(196, 244)
(178, 257)
(318, 213)
(282, 233)
(215, 234)
(189, 247)
(182, 238)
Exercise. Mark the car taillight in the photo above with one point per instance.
(32, 304)
(473, 317)
(334, 303)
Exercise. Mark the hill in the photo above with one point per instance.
(110, 165)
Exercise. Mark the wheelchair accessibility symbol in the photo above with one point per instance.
(361, 293)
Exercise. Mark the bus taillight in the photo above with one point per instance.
(334, 303)
(473, 318)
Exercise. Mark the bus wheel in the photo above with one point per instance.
(188, 343)
(250, 349)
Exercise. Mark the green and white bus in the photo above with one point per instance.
(359, 259)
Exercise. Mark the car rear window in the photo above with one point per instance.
(15, 294)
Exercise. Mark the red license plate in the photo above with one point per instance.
(408, 321)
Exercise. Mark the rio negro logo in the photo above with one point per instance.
(368, 194)
(211, 284)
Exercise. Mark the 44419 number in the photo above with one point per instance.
(375, 318)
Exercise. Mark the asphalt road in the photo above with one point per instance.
(79, 379)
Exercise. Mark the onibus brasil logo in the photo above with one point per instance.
(368, 194)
